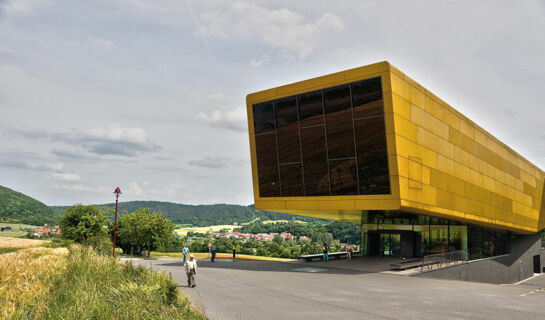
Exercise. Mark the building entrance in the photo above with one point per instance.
(392, 243)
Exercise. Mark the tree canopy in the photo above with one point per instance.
(80, 223)
(142, 229)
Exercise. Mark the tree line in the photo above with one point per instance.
(142, 231)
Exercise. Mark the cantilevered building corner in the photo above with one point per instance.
(371, 145)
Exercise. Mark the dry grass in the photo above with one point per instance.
(20, 243)
(25, 275)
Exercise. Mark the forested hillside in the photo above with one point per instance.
(17, 207)
(201, 215)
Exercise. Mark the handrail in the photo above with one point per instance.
(443, 259)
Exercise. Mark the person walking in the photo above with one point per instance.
(326, 251)
(234, 252)
(348, 251)
(213, 249)
(185, 251)
(209, 250)
(191, 271)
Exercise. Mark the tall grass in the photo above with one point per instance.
(94, 286)
(25, 278)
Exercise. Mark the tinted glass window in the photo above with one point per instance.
(373, 170)
(343, 177)
(289, 149)
(286, 112)
(291, 179)
(339, 127)
(367, 98)
(267, 165)
(263, 117)
(324, 142)
(311, 109)
(315, 161)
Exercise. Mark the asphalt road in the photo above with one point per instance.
(276, 290)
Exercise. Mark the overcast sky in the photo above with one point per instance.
(150, 95)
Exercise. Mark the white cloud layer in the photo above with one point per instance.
(282, 28)
(150, 95)
(232, 119)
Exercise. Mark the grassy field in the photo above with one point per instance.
(184, 231)
(200, 255)
(15, 232)
(76, 283)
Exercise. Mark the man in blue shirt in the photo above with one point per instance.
(185, 251)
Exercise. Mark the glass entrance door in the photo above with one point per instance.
(390, 244)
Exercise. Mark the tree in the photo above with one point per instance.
(142, 229)
(81, 223)
(278, 239)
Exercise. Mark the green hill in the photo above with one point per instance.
(17, 207)
(201, 215)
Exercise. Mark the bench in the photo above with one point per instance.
(407, 264)
(332, 255)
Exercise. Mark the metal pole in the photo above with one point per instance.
(115, 221)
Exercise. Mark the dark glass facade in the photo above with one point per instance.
(324, 142)
(425, 235)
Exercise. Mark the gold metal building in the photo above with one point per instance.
(372, 141)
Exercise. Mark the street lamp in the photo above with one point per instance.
(117, 193)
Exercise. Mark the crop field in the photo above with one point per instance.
(20, 243)
(184, 231)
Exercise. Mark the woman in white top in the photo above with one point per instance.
(191, 271)
(348, 251)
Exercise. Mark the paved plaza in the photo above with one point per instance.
(361, 290)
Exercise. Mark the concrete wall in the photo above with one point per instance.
(510, 268)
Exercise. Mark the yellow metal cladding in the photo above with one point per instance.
(450, 167)
(440, 162)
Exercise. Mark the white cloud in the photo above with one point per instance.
(100, 45)
(19, 8)
(232, 119)
(217, 162)
(64, 177)
(284, 29)
(111, 140)
(258, 62)
(134, 189)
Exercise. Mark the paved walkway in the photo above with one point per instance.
(276, 290)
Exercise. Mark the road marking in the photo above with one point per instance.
(522, 295)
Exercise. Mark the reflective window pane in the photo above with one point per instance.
(287, 124)
(343, 177)
(315, 161)
(324, 142)
(311, 109)
(267, 165)
(286, 112)
(263, 117)
(373, 170)
(339, 127)
(367, 98)
(291, 180)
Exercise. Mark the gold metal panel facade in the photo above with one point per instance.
(473, 177)
(440, 162)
